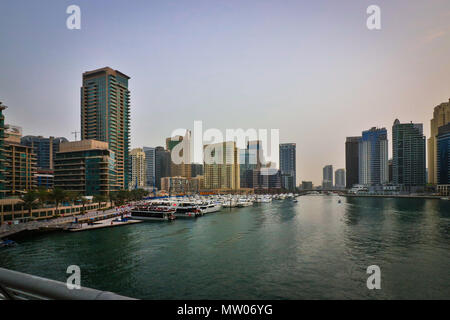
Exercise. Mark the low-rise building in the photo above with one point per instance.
(19, 164)
(87, 167)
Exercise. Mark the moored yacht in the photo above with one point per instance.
(153, 213)
(187, 210)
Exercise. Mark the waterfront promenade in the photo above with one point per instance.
(57, 223)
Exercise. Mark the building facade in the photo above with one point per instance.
(45, 178)
(352, 161)
(150, 167)
(2, 152)
(105, 115)
(373, 157)
(175, 185)
(409, 158)
(443, 159)
(340, 179)
(288, 164)
(441, 117)
(180, 155)
(222, 170)
(196, 169)
(307, 185)
(19, 163)
(162, 165)
(138, 169)
(251, 159)
(87, 167)
(266, 179)
(45, 149)
(327, 182)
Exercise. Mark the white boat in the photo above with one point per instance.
(244, 203)
(210, 207)
(153, 213)
(445, 198)
(229, 203)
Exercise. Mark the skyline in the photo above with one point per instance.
(189, 67)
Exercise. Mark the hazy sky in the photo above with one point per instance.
(309, 68)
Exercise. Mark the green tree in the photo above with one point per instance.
(29, 200)
(98, 198)
(58, 196)
(113, 198)
(73, 196)
(122, 197)
(43, 196)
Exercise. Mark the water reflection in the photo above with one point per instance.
(314, 249)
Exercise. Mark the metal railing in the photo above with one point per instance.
(21, 286)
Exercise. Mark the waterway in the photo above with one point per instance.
(317, 248)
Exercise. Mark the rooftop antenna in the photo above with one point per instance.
(76, 134)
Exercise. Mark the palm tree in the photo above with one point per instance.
(58, 196)
(73, 196)
(84, 201)
(43, 196)
(113, 198)
(29, 201)
(98, 198)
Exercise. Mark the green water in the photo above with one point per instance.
(313, 249)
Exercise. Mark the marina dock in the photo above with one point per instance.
(108, 223)
(57, 224)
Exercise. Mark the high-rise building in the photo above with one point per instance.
(138, 169)
(352, 161)
(391, 170)
(87, 167)
(162, 165)
(221, 166)
(45, 178)
(19, 163)
(175, 185)
(266, 179)
(150, 167)
(105, 115)
(196, 169)
(408, 162)
(307, 185)
(180, 147)
(2, 156)
(250, 159)
(373, 157)
(197, 184)
(288, 166)
(45, 149)
(443, 160)
(327, 182)
(340, 179)
(441, 117)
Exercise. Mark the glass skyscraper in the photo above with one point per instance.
(45, 149)
(150, 167)
(408, 162)
(2, 156)
(288, 166)
(352, 161)
(327, 182)
(443, 155)
(373, 157)
(105, 115)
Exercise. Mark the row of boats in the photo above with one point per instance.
(193, 207)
